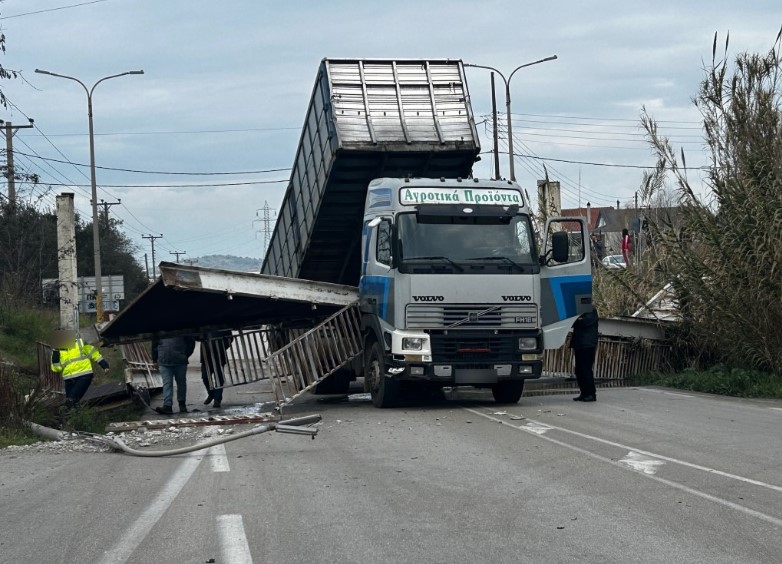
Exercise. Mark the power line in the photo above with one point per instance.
(264, 171)
(602, 118)
(52, 9)
(188, 132)
(215, 185)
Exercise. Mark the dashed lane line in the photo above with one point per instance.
(136, 533)
(233, 542)
(218, 458)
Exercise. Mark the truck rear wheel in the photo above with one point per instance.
(384, 390)
(508, 391)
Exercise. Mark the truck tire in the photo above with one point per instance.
(384, 391)
(508, 391)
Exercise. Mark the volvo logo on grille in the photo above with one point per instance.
(473, 316)
(429, 298)
(517, 298)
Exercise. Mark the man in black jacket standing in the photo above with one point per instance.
(584, 345)
(171, 354)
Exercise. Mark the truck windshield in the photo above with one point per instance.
(446, 242)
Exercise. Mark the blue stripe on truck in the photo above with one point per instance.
(565, 289)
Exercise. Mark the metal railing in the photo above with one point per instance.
(293, 360)
(615, 359)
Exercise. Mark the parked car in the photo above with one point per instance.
(614, 261)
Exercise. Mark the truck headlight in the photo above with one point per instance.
(528, 343)
(412, 343)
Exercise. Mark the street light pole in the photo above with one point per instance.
(95, 223)
(507, 104)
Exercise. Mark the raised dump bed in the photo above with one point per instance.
(366, 119)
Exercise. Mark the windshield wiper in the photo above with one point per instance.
(506, 259)
(446, 259)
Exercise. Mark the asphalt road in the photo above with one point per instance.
(643, 475)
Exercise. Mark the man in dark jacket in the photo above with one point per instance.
(171, 355)
(214, 356)
(584, 345)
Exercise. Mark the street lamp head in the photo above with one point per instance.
(142, 72)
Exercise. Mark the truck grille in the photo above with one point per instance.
(470, 316)
(456, 347)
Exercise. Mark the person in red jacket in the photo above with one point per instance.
(626, 246)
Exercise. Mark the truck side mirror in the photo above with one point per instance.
(560, 246)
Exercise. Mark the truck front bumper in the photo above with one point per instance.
(465, 374)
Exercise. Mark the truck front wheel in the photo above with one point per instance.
(508, 391)
(384, 390)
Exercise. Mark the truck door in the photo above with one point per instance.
(565, 277)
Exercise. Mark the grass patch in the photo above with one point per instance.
(89, 419)
(17, 436)
(736, 382)
(20, 329)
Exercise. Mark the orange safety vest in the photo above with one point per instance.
(75, 361)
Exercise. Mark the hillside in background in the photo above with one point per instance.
(230, 262)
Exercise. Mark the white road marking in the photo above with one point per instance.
(536, 428)
(666, 392)
(233, 542)
(642, 463)
(719, 500)
(136, 533)
(647, 453)
(218, 458)
(777, 408)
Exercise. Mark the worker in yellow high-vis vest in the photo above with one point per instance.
(73, 358)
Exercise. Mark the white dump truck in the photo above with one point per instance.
(445, 278)
(453, 289)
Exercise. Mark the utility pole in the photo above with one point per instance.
(10, 130)
(106, 205)
(152, 242)
(494, 128)
(637, 234)
(177, 253)
(191, 262)
(66, 261)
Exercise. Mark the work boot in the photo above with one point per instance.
(165, 410)
(217, 404)
(183, 407)
(209, 397)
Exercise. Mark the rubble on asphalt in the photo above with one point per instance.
(138, 439)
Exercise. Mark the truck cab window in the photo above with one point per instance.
(383, 245)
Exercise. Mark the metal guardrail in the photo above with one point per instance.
(616, 358)
(293, 360)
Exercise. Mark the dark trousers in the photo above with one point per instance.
(585, 360)
(75, 388)
(211, 364)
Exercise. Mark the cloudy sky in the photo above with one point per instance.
(198, 145)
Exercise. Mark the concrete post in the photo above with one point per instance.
(66, 262)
